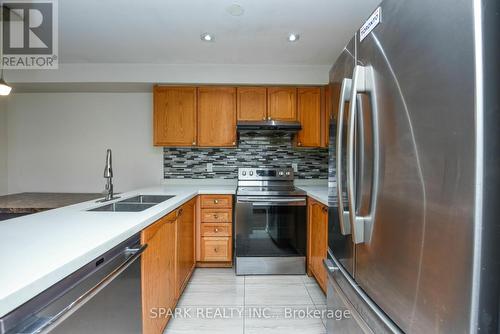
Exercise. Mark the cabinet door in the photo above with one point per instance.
(282, 103)
(252, 103)
(174, 116)
(185, 244)
(158, 272)
(318, 229)
(216, 116)
(309, 109)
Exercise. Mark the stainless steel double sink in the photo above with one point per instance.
(134, 204)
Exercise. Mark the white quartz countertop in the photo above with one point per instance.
(39, 250)
(318, 192)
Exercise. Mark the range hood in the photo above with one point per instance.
(261, 126)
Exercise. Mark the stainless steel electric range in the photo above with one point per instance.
(270, 224)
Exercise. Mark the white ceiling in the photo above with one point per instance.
(168, 31)
(158, 41)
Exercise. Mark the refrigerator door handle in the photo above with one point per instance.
(363, 82)
(345, 91)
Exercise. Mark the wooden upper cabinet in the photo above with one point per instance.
(282, 103)
(174, 116)
(309, 112)
(252, 103)
(217, 116)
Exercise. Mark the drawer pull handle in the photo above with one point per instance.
(216, 201)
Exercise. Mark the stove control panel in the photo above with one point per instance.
(281, 174)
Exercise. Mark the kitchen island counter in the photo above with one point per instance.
(39, 250)
(32, 202)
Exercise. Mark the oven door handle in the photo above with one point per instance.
(274, 201)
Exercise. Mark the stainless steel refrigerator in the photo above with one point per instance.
(414, 177)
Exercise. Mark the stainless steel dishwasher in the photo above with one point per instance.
(103, 297)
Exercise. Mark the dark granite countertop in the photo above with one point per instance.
(36, 202)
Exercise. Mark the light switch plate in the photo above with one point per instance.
(210, 167)
(295, 167)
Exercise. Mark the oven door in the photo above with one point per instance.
(270, 226)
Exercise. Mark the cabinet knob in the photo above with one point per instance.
(269, 118)
(299, 144)
(216, 201)
(263, 118)
(216, 250)
(216, 230)
(234, 143)
(194, 143)
(216, 217)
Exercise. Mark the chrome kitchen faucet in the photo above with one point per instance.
(108, 175)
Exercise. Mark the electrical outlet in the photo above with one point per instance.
(210, 167)
(295, 167)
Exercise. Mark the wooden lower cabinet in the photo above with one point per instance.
(175, 242)
(185, 244)
(216, 201)
(167, 264)
(214, 230)
(158, 272)
(317, 241)
(216, 249)
(216, 215)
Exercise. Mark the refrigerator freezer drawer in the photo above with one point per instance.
(348, 321)
(363, 316)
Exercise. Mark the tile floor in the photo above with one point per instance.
(218, 301)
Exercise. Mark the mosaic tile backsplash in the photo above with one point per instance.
(254, 150)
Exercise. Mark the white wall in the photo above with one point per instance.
(57, 141)
(3, 147)
(176, 74)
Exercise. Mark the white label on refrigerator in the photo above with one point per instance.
(370, 24)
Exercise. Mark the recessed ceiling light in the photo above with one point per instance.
(206, 37)
(293, 37)
(235, 9)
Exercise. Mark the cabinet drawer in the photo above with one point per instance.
(216, 249)
(216, 201)
(216, 230)
(216, 216)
